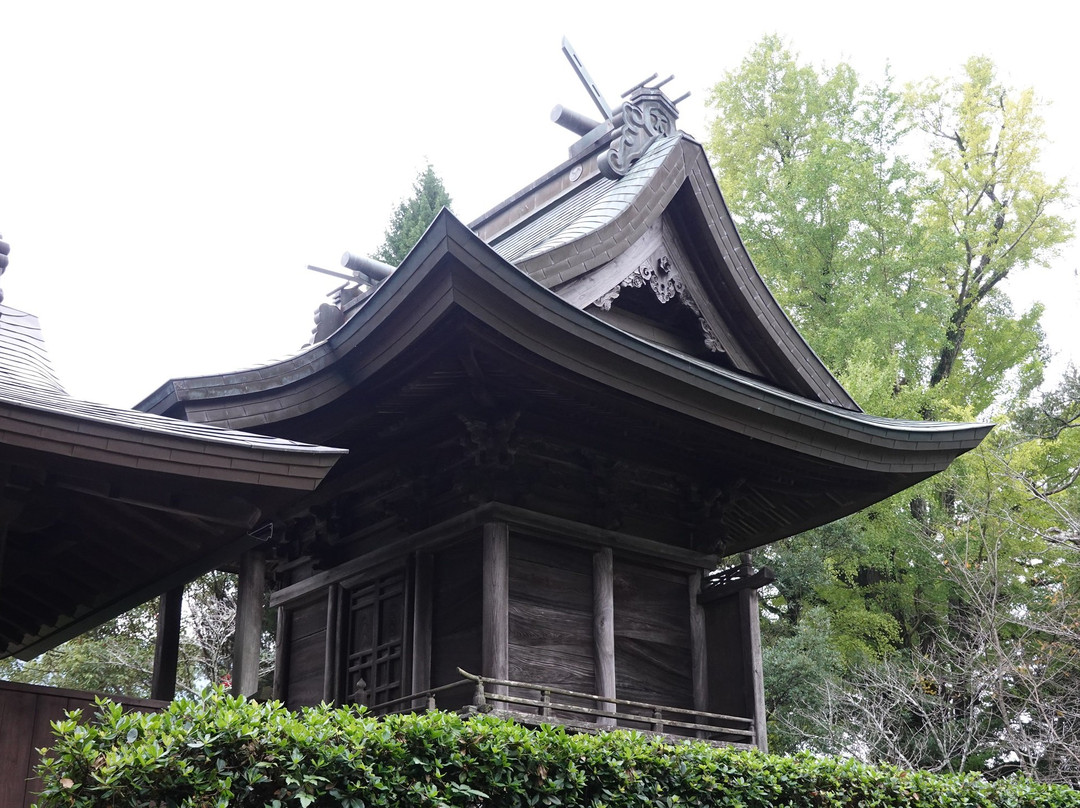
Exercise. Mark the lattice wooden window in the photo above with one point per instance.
(375, 659)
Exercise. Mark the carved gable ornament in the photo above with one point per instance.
(665, 282)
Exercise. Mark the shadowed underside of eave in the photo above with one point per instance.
(458, 327)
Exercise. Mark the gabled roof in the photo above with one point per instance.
(794, 461)
(582, 234)
(102, 508)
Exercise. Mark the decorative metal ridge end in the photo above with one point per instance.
(645, 117)
(364, 275)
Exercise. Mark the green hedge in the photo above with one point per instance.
(222, 751)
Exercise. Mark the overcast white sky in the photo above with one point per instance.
(168, 170)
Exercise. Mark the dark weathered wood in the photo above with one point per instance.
(281, 650)
(177, 575)
(550, 625)
(26, 713)
(652, 634)
(496, 631)
(247, 641)
(750, 579)
(167, 645)
(457, 617)
(580, 534)
(699, 662)
(48, 708)
(306, 657)
(16, 728)
(554, 528)
(306, 669)
(423, 581)
(750, 616)
(733, 638)
(334, 636)
(440, 535)
(604, 627)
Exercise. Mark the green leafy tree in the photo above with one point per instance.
(808, 163)
(412, 216)
(990, 208)
(885, 223)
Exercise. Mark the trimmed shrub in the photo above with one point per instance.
(222, 751)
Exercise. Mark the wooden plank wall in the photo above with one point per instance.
(456, 618)
(26, 712)
(304, 666)
(551, 614)
(652, 635)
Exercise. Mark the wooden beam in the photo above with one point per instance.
(421, 652)
(247, 641)
(207, 505)
(699, 661)
(167, 645)
(582, 534)
(443, 533)
(604, 629)
(496, 609)
(554, 528)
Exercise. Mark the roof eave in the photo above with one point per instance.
(528, 313)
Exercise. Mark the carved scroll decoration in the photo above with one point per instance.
(666, 284)
(644, 120)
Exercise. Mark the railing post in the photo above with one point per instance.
(545, 701)
(479, 698)
(431, 701)
(658, 720)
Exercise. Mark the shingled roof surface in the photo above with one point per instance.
(28, 381)
(579, 214)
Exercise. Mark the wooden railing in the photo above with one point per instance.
(587, 712)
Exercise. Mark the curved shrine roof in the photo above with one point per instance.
(569, 287)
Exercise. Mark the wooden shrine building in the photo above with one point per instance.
(559, 419)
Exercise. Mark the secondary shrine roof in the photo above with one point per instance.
(102, 508)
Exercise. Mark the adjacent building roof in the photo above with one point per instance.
(102, 508)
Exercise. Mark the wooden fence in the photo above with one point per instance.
(26, 712)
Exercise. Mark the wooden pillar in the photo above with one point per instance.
(423, 581)
(335, 679)
(699, 661)
(496, 642)
(167, 645)
(282, 648)
(247, 642)
(604, 630)
(754, 676)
